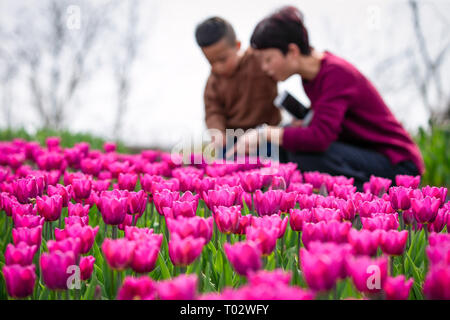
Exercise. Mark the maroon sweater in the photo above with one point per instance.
(348, 108)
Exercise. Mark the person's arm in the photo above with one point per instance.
(214, 111)
(329, 112)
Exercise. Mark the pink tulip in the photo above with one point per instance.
(227, 218)
(393, 242)
(222, 197)
(297, 218)
(250, 181)
(14, 208)
(437, 282)
(425, 210)
(183, 287)
(145, 256)
(435, 192)
(142, 288)
(277, 276)
(377, 185)
(20, 280)
(288, 201)
(183, 252)
(325, 214)
(49, 207)
(400, 198)
(31, 236)
(338, 252)
(91, 166)
(181, 208)
(165, 198)
(203, 185)
(319, 270)
(306, 201)
(396, 288)
(273, 221)
(127, 181)
(101, 185)
(244, 222)
(381, 221)
(315, 178)
(66, 245)
(301, 188)
(439, 254)
(268, 292)
(83, 221)
(266, 238)
(244, 256)
(278, 183)
(196, 227)
(267, 203)
(85, 233)
(55, 267)
(27, 221)
(86, 267)
(369, 275)
(78, 210)
(81, 189)
(364, 242)
(118, 252)
(64, 192)
(113, 207)
(407, 181)
(137, 202)
(26, 189)
(22, 254)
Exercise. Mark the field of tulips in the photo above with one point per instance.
(78, 223)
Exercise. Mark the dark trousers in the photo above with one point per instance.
(350, 161)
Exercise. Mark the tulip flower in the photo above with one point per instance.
(439, 254)
(347, 209)
(86, 234)
(319, 270)
(20, 280)
(136, 203)
(118, 253)
(393, 242)
(266, 238)
(278, 183)
(288, 201)
(55, 267)
(277, 276)
(245, 257)
(181, 208)
(364, 242)
(31, 236)
(437, 282)
(83, 221)
(183, 252)
(306, 201)
(91, 166)
(425, 210)
(86, 267)
(142, 288)
(195, 226)
(267, 203)
(78, 210)
(250, 181)
(49, 207)
(273, 221)
(435, 192)
(407, 181)
(227, 218)
(377, 185)
(397, 288)
(301, 188)
(297, 218)
(381, 221)
(222, 197)
(244, 222)
(127, 181)
(135, 233)
(14, 208)
(81, 189)
(338, 252)
(183, 287)
(315, 178)
(325, 214)
(113, 207)
(66, 245)
(400, 198)
(165, 198)
(441, 220)
(64, 192)
(26, 189)
(145, 256)
(369, 275)
(27, 221)
(268, 292)
(22, 254)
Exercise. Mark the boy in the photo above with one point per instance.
(238, 94)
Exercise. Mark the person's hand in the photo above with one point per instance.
(296, 123)
(246, 144)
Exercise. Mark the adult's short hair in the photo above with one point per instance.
(281, 28)
(212, 30)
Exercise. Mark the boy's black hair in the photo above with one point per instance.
(281, 28)
(212, 30)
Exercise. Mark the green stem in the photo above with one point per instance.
(114, 232)
(391, 266)
(133, 220)
(228, 238)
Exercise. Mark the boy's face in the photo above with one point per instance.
(223, 57)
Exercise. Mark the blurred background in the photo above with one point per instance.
(130, 71)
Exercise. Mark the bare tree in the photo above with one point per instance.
(123, 63)
(431, 78)
(54, 55)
